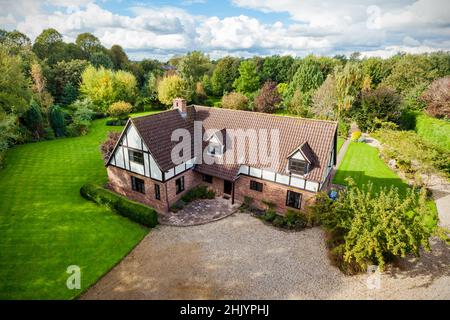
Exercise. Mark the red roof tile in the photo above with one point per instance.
(315, 137)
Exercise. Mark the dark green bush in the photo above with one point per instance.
(200, 192)
(295, 220)
(343, 128)
(407, 120)
(177, 206)
(134, 211)
(269, 216)
(279, 221)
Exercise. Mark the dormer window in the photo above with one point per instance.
(216, 146)
(301, 160)
(298, 166)
(215, 150)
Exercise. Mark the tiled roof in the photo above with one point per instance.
(314, 137)
(156, 131)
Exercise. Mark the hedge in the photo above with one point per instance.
(134, 211)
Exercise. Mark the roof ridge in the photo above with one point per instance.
(265, 114)
(153, 114)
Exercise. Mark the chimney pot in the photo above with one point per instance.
(180, 104)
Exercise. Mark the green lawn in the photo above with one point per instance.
(362, 163)
(434, 130)
(46, 226)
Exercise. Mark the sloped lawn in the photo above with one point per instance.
(362, 163)
(434, 130)
(46, 226)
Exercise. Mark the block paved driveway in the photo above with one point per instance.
(240, 257)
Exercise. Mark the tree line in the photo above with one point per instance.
(51, 88)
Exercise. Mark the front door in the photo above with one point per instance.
(227, 187)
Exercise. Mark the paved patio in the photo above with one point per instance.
(199, 212)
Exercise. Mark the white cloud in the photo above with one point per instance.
(321, 27)
(243, 33)
(392, 50)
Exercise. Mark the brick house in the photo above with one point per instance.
(142, 168)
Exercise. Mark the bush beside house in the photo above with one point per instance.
(134, 211)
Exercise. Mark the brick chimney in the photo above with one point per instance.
(180, 104)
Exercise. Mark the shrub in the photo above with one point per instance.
(134, 211)
(247, 205)
(107, 147)
(406, 147)
(382, 103)
(374, 228)
(437, 97)
(356, 135)
(407, 120)
(81, 121)
(322, 210)
(295, 220)
(120, 109)
(268, 98)
(269, 215)
(57, 121)
(34, 121)
(343, 128)
(234, 100)
(299, 104)
(200, 192)
(279, 221)
(177, 206)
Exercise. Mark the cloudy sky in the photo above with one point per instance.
(160, 29)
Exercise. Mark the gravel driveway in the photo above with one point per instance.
(240, 257)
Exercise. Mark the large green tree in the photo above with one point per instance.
(49, 45)
(15, 90)
(248, 81)
(118, 57)
(172, 87)
(34, 121)
(89, 43)
(349, 81)
(410, 71)
(324, 100)
(103, 86)
(65, 75)
(307, 78)
(194, 65)
(277, 68)
(382, 104)
(224, 74)
(101, 59)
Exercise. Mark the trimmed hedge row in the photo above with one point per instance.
(134, 211)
